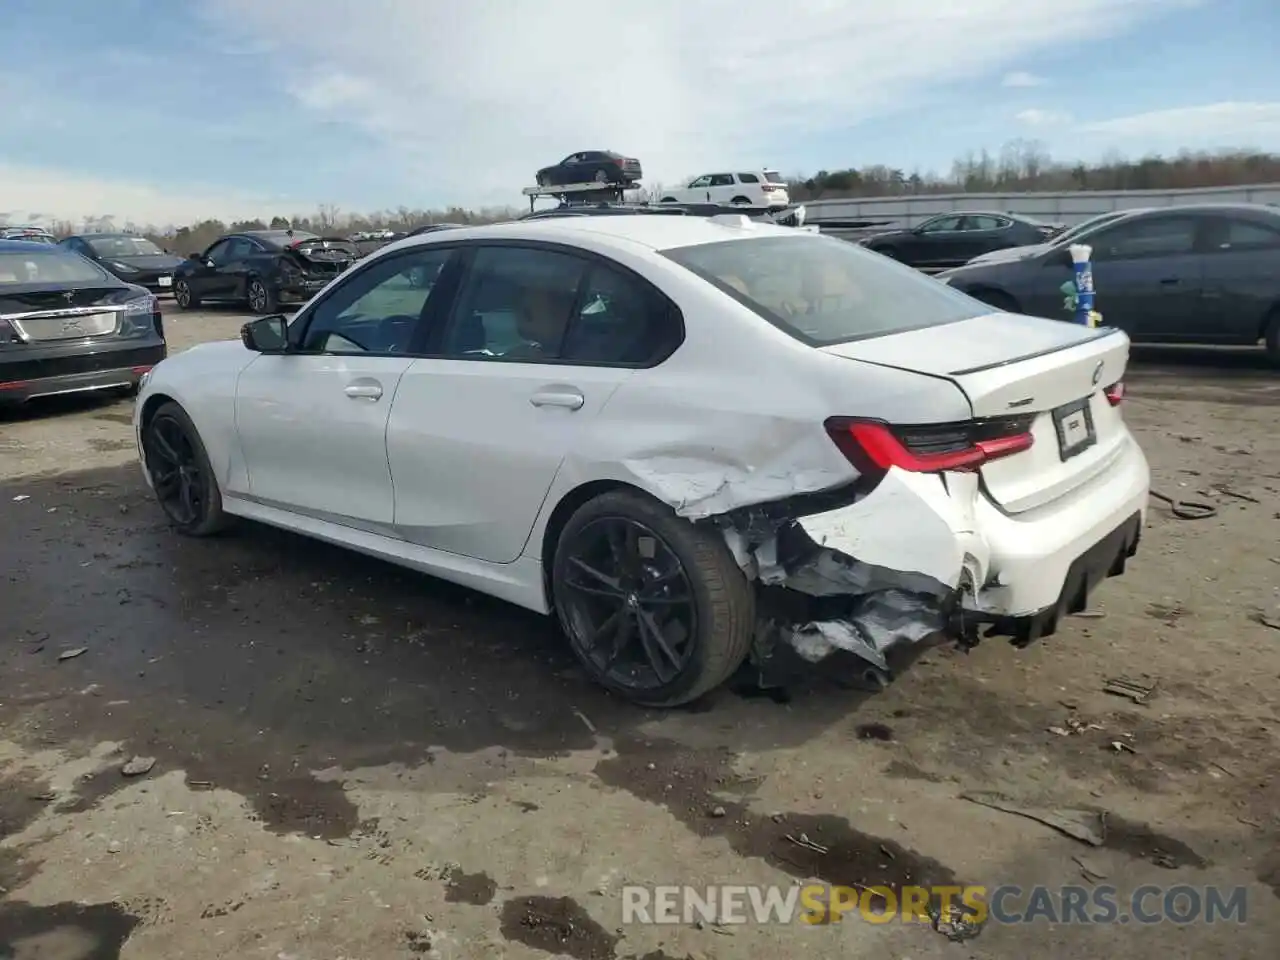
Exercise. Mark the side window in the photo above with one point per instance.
(515, 304)
(379, 309)
(748, 178)
(1239, 235)
(238, 249)
(942, 225)
(984, 223)
(722, 179)
(1164, 237)
(620, 320)
(701, 181)
(218, 252)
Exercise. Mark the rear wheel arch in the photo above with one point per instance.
(565, 509)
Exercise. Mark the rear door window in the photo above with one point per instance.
(821, 290)
(1164, 237)
(943, 225)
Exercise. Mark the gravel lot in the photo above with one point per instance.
(354, 762)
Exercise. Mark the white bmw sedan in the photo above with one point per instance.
(692, 440)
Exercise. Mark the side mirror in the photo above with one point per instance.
(266, 334)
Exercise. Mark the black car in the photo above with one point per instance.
(591, 166)
(263, 268)
(1203, 273)
(69, 326)
(131, 258)
(954, 238)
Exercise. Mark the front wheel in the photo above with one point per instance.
(184, 296)
(263, 298)
(655, 608)
(1272, 336)
(602, 176)
(180, 472)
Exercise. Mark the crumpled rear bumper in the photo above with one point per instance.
(925, 556)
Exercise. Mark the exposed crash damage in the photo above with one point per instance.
(860, 572)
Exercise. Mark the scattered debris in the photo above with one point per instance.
(1250, 823)
(804, 841)
(717, 811)
(1215, 763)
(1119, 746)
(1264, 620)
(72, 654)
(1089, 615)
(586, 721)
(1074, 726)
(138, 766)
(1087, 826)
(875, 731)
(20, 497)
(1186, 509)
(1088, 871)
(1139, 691)
(1228, 492)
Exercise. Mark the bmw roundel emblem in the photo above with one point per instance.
(1097, 373)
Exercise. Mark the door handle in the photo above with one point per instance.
(567, 397)
(364, 390)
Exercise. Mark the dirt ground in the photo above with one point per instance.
(351, 761)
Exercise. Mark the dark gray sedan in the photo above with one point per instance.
(1203, 273)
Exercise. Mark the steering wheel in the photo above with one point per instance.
(395, 331)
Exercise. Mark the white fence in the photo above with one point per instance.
(1069, 207)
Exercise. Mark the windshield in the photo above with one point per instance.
(1081, 228)
(822, 290)
(47, 266)
(123, 246)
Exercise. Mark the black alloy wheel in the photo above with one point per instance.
(182, 295)
(632, 603)
(602, 176)
(180, 473)
(262, 300)
(655, 607)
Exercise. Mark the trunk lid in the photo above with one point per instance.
(1007, 364)
(324, 256)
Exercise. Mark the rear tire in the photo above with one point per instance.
(264, 299)
(675, 582)
(174, 453)
(184, 296)
(997, 299)
(602, 176)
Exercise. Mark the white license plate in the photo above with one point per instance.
(1074, 425)
(165, 281)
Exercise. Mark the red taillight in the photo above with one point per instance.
(874, 447)
(1115, 394)
(768, 187)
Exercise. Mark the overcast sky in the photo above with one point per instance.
(164, 112)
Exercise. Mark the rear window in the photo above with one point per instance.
(773, 176)
(821, 290)
(45, 265)
(748, 178)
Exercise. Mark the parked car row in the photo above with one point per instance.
(1200, 273)
(952, 239)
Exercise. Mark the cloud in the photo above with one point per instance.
(29, 193)
(1042, 118)
(472, 98)
(1208, 126)
(1020, 78)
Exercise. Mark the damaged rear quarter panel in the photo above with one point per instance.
(736, 417)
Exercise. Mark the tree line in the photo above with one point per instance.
(1020, 166)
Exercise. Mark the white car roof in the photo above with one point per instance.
(655, 231)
